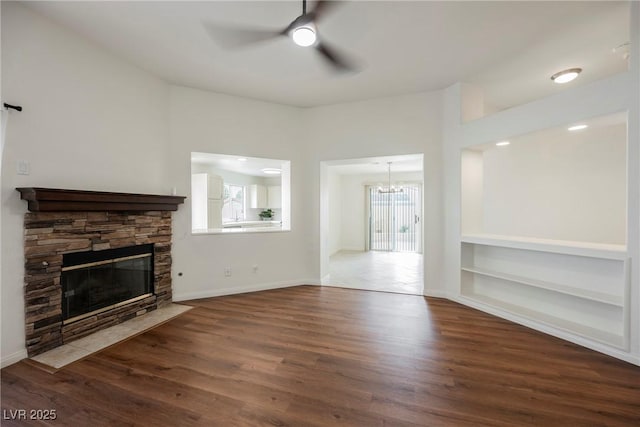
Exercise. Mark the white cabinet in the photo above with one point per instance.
(258, 196)
(215, 186)
(214, 213)
(274, 197)
(215, 192)
(199, 201)
(572, 286)
(265, 197)
(206, 201)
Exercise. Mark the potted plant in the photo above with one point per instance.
(266, 215)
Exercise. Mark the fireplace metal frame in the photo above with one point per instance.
(103, 309)
(127, 253)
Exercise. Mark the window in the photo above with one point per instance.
(236, 193)
(233, 205)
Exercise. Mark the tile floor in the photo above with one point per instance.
(399, 272)
(83, 347)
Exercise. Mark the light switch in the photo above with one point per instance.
(23, 167)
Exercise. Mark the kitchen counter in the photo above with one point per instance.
(244, 227)
(247, 224)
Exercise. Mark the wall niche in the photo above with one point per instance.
(544, 229)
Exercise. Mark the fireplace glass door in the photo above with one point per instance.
(96, 285)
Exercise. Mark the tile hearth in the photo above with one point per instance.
(83, 347)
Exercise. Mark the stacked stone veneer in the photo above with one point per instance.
(49, 235)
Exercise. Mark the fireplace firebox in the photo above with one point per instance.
(96, 281)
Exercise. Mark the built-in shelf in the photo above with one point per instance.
(567, 290)
(576, 287)
(587, 249)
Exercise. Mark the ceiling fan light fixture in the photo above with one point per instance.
(271, 171)
(304, 35)
(565, 76)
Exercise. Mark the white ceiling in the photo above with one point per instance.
(509, 48)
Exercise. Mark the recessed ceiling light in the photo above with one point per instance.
(565, 76)
(577, 127)
(271, 171)
(502, 143)
(242, 159)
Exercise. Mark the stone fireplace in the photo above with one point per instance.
(116, 247)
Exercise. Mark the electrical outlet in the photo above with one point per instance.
(227, 272)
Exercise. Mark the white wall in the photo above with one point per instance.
(334, 212)
(408, 124)
(570, 187)
(472, 191)
(352, 195)
(353, 205)
(207, 122)
(90, 121)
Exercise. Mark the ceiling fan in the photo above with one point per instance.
(302, 30)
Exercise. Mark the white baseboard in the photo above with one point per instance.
(13, 358)
(325, 279)
(352, 249)
(550, 330)
(178, 296)
(435, 293)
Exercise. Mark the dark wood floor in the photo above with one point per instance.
(313, 356)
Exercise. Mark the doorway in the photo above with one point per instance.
(371, 223)
(394, 218)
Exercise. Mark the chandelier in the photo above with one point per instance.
(390, 188)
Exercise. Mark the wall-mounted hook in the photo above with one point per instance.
(15, 107)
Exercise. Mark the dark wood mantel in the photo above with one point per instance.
(57, 200)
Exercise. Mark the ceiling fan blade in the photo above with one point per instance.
(234, 37)
(320, 8)
(337, 60)
(298, 22)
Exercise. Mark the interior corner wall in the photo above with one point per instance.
(633, 188)
(90, 121)
(452, 184)
(409, 124)
(207, 122)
